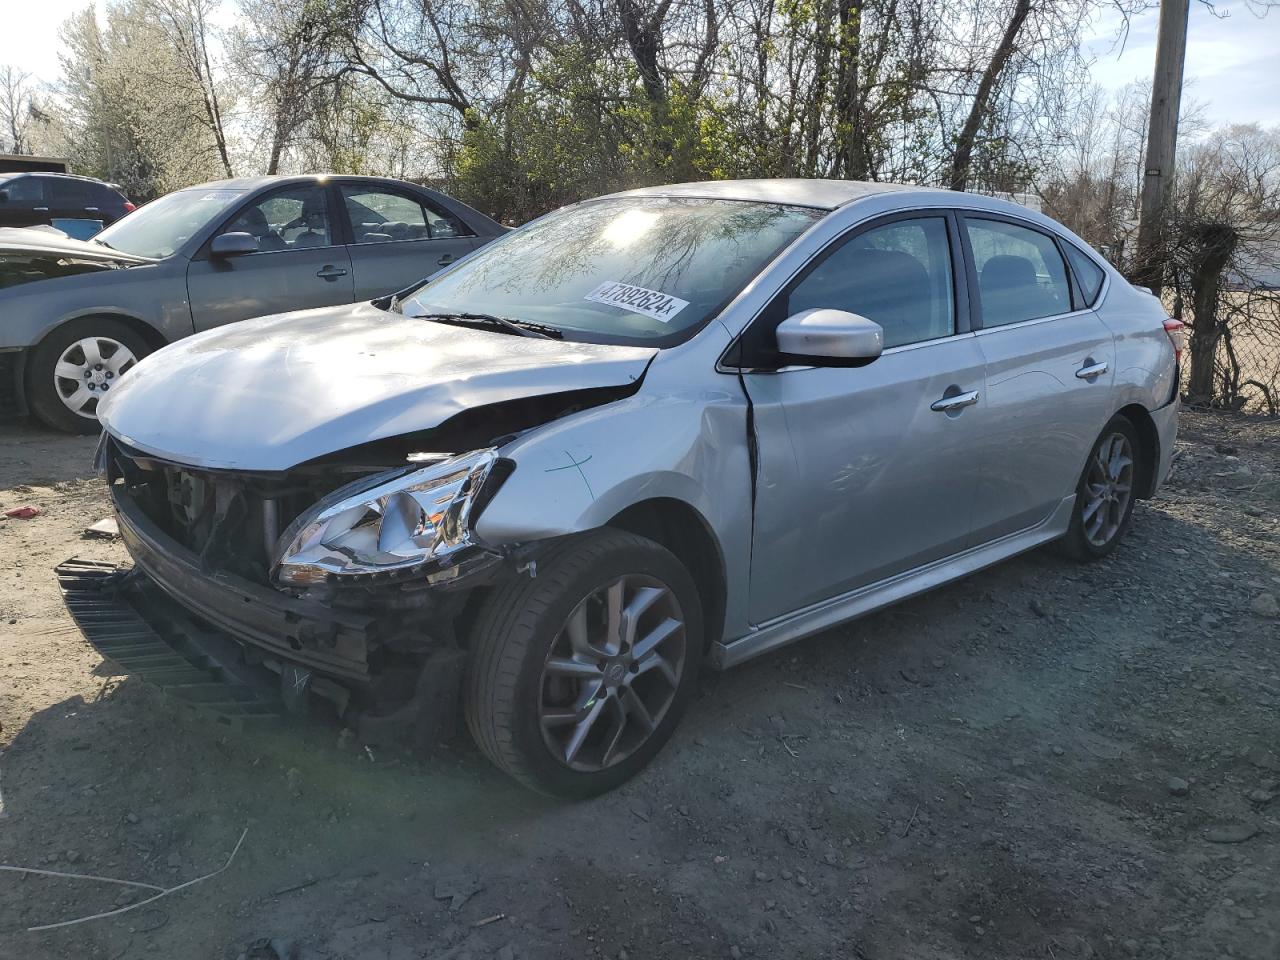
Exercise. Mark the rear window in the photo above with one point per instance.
(1088, 274)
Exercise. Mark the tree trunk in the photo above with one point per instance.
(852, 160)
(962, 159)
(278, 135)
(1217, 243)
(644, 40)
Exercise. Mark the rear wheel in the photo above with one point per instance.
(77, 365)
(579, 675)
(1105, 494)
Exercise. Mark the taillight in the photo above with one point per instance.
(129, 207)
(1177, 336)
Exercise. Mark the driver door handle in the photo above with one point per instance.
(330, 272)
(957, 402)
(1089, 371)
(447, 259)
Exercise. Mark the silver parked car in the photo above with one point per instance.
(672, 426)
(76, 316)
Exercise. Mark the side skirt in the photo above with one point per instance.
(822, 616)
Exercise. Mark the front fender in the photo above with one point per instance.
(576, 474)
(147, 293)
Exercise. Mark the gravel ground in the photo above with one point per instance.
(1042, 761)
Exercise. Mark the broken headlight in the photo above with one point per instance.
(394, 522)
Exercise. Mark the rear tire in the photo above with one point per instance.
(550, 698)
(1105, 493)
(102, 347)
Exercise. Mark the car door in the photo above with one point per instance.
(299, 263)
(398, 237)
(1050, 369)
(24, 202)
(868, 472)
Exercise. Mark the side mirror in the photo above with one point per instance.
(233, 245)
(829, 338)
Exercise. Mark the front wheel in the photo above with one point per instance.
(76, 366)
(1105, 494)
(579, 675)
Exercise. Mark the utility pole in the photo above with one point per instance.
(1162, 142)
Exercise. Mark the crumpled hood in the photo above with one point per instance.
(53, 243)
(271, 393)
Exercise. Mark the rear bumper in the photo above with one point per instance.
(331, 642)
(1166, 422)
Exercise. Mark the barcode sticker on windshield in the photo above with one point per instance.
(650, 303)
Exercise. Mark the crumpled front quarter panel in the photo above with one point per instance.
(683, 436)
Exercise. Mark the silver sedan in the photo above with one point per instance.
(669, 428)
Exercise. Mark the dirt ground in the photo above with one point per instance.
(1038, 762)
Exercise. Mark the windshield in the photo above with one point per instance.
(630, 270)
(162, 226)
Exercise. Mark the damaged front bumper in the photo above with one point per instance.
(391, 668)
(335, 642)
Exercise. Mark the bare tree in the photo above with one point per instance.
(186, 26)
(17, 102)
(290, 51)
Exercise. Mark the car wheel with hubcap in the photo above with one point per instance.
(579, 675)
(78, 365)
(1106, 493)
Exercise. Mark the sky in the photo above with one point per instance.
(1233, 59)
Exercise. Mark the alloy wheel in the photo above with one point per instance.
(1108, 489)
(87, 370)
(612, 673)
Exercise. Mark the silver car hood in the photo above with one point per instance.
(46, 241)
(271, 393)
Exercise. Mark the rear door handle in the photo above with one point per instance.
(41, 209)
(957, 402)
(1091, 370)
(447, 259)
(92, 209)
(330, 272)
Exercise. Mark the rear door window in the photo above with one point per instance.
(1021, 274)
(380, 216)
(68, 194)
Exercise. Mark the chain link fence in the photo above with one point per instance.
(1247, 357)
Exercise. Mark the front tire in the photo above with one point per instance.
(579, 675)
(1105, 493)
(76, 365)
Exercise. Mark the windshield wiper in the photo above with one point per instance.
(523, 328)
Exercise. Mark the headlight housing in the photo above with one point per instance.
(397, 522)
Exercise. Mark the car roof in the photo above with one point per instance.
(821, 194)
(253, 183)
(55, 173)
